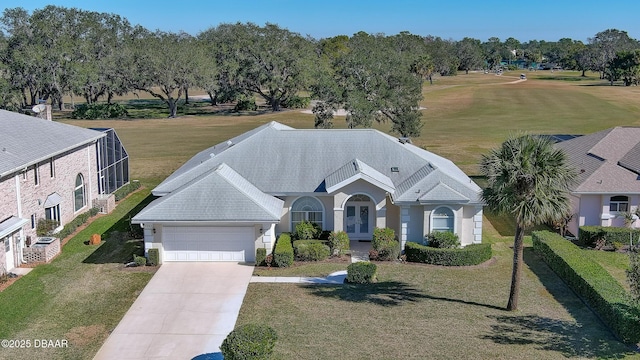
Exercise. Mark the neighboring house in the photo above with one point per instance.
(48, 170)
(608, 167)
(237, 196)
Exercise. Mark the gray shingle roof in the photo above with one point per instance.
(220, 195)
(27, 140)
(354, 170)
(280, 160)
(606, 161)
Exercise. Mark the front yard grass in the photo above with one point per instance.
(429, 312)
(80, 296)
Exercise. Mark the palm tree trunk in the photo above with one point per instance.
(517, 268)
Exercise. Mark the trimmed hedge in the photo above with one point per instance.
(283, 252)
(250, 341)
(443, 240)
(310, 250)
(361, 272)
(154, 256)
(473, 254)
(126, 190)
(591, 282)
(261, 255)
(591, 235)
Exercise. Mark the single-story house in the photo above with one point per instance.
(237, 196)
(608, 184)
(50, 171)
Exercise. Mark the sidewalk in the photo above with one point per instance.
(333, 278)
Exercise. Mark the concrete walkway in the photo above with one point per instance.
(360, 250)
(185, 311)
(334, 278)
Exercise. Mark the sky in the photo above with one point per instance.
(455, 20)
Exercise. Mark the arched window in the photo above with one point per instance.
(306, 208)
(78, 194)
(619, 204)
(442, 219)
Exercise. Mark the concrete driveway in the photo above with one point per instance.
(186, 310)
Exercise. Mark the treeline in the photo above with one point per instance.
(56, 52)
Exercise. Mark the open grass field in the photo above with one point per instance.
(465, 116)
(418, 311)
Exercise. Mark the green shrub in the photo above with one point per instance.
(592, 282)
(283, 252)
(46, 226)
(245, 103)
(126, 190)
(261, 255)
(310, 250)
(473, 254)
(361, 272)
(307, 230)
(154, 256)
(443, 240)
(598, 236)
(297, 102)
(139, 260)
(249, 342)
(633, 274)
(339, 242)
(385, 244)
(99, 111)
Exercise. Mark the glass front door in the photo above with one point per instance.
(358, 221)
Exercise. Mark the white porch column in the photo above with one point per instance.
(268, 236)
(404, 225)
(477, 225)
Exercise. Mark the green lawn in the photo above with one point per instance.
(428, 312)
(415, 311)
(81, 295)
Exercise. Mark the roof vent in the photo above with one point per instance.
(395, 169)
(229, 143)
(404, 140)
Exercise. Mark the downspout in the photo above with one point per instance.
(19, 208)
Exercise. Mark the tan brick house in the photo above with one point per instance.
(48, 170)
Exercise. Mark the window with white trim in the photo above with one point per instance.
(307, 208)
(52, 213)
(442, 219)
(619, 204)
(79, 194)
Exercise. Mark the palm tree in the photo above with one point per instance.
(529, 179)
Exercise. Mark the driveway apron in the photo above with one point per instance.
(186, 310)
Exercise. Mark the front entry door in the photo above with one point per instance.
(358, 224)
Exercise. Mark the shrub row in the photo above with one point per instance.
(250, 341)
(46, 226)
(126, 190)
(99, 111)
(473, 254)
(591, 282)
(310, 250)
(361, 272)
(608, 235)
(283, 252)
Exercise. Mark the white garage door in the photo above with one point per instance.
(208, 243)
